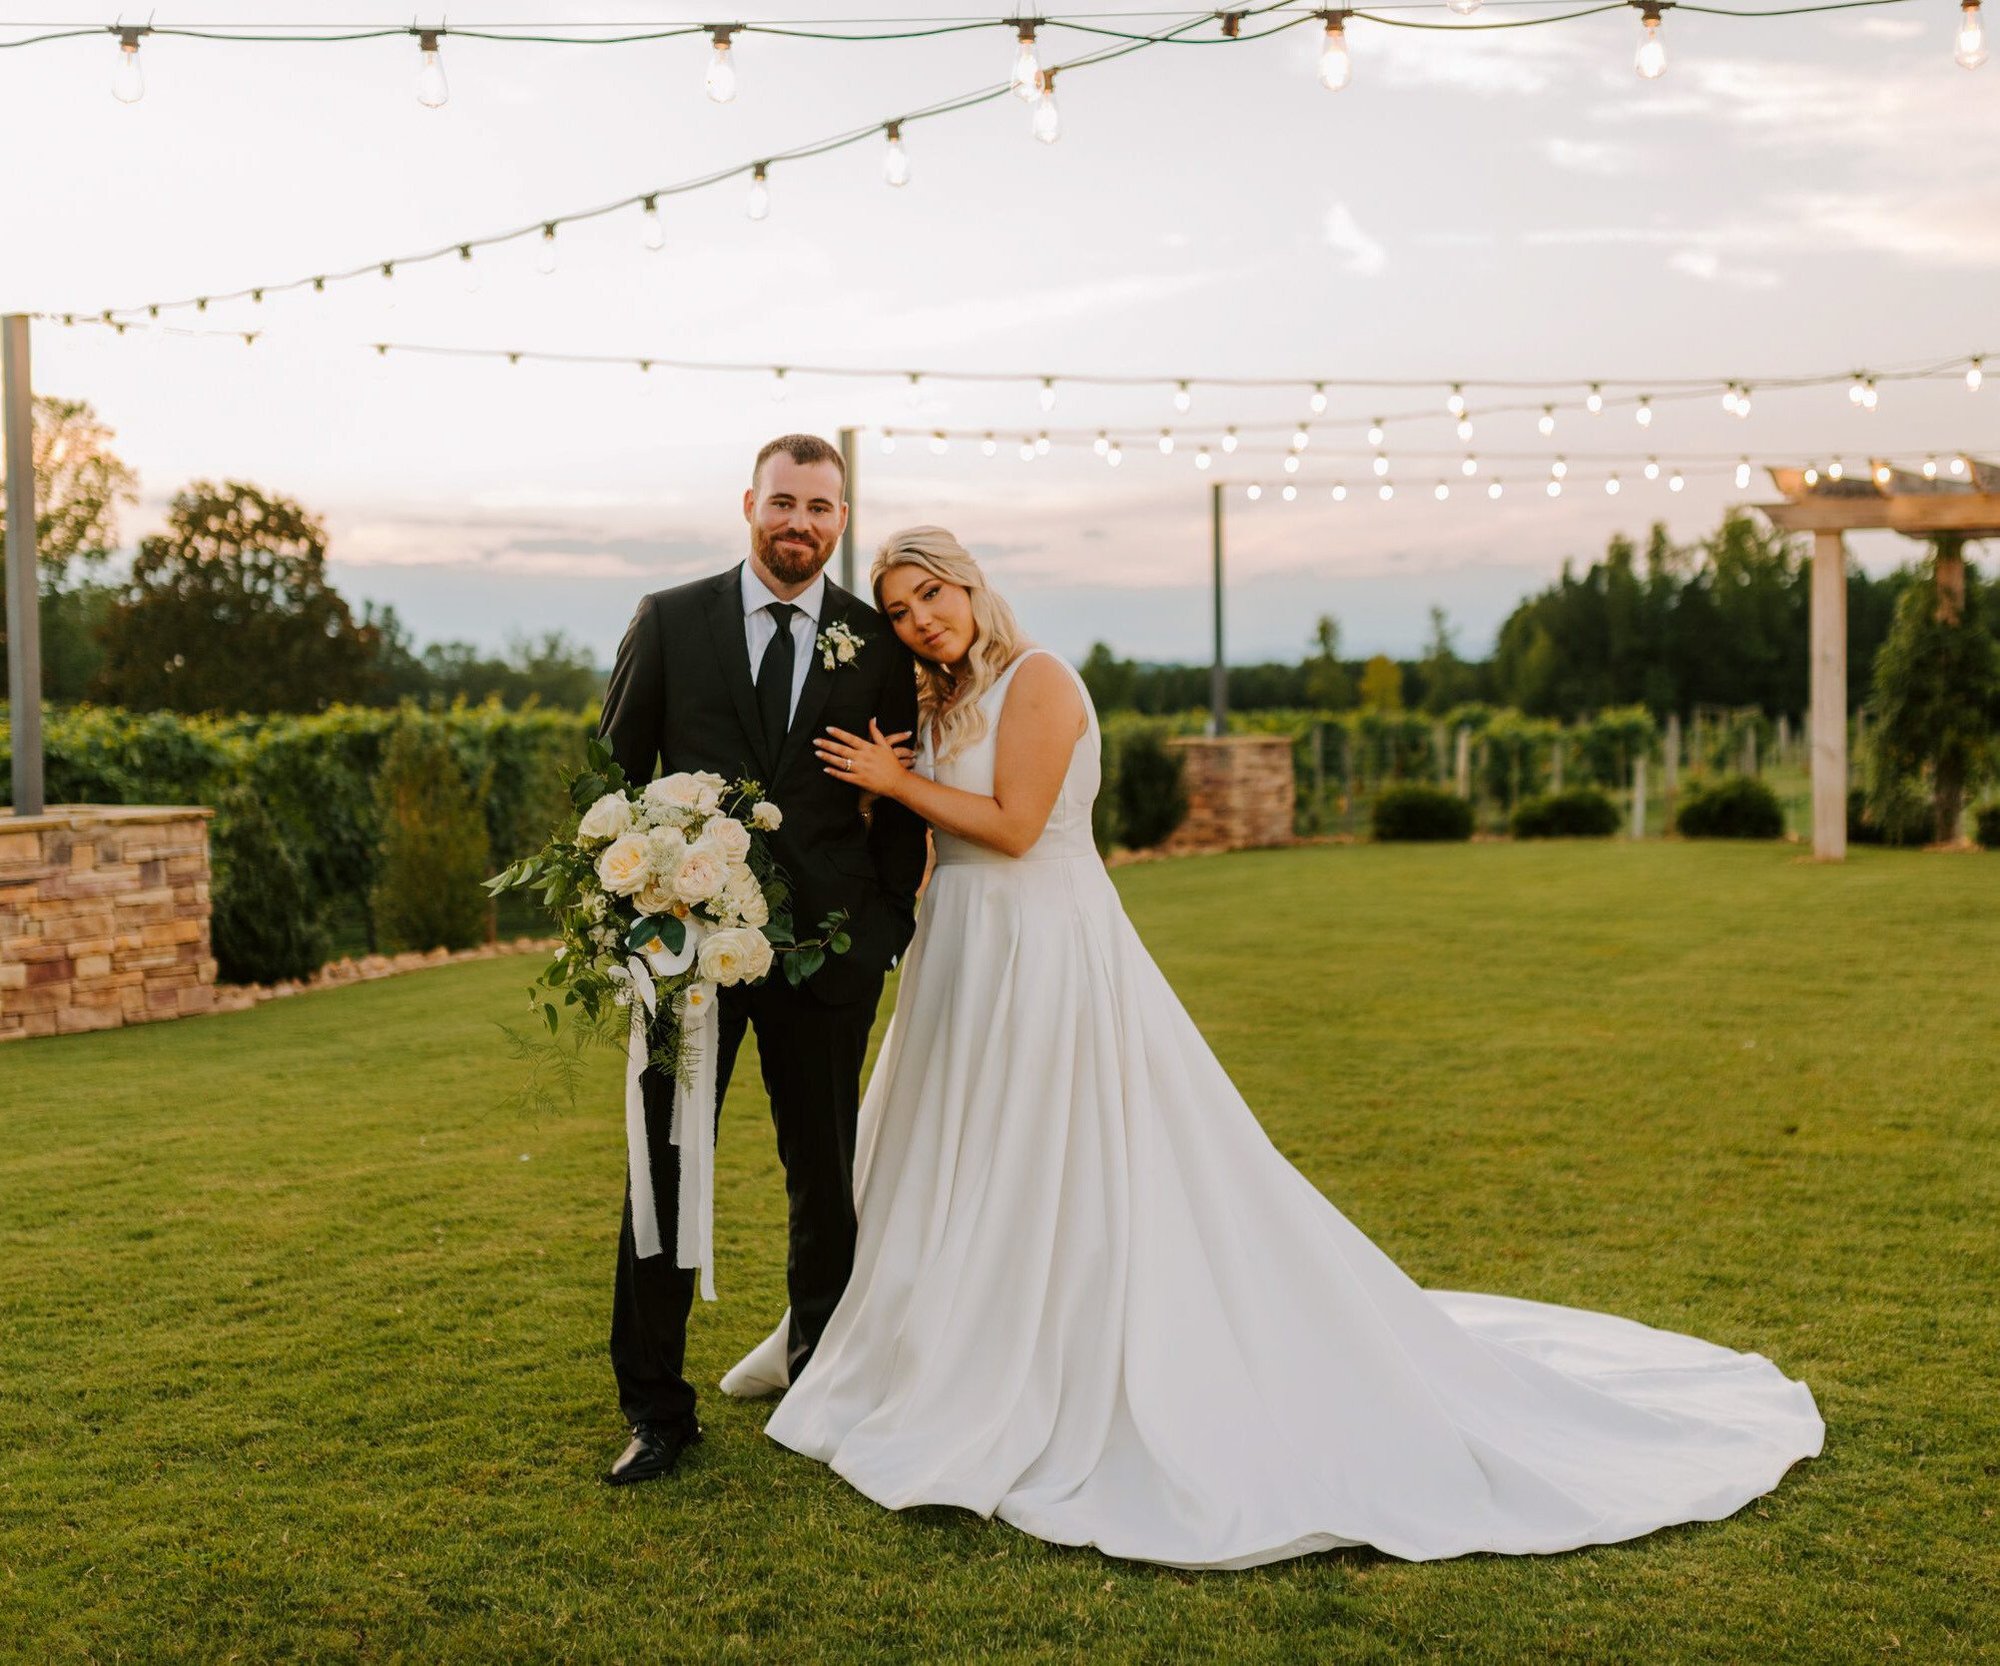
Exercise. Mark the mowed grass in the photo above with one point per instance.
(302, 1333)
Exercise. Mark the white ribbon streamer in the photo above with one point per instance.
(693, 1127)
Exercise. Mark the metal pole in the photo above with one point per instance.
(24, 625)
(847, 456)
(1218, 676)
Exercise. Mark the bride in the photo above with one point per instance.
(1091, 1298)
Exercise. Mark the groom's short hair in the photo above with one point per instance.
(801, 448)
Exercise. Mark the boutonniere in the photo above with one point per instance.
(837, 645)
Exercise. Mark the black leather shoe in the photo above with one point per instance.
(654, 1450)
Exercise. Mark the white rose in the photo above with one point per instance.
(766, 816)
(610, 816)
(709, 790)
(843, 649)
(752, 909)
(738, 955)
(745, 897)
(625, 864)
(679, 791)
(656, 896)
(696, 999)
(702, 874)
(729, 838)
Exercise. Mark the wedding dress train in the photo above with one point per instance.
(1090, 1296)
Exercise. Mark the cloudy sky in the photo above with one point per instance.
(1795, 196)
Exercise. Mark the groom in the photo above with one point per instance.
(730, 674)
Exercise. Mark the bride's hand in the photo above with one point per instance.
(877, 764)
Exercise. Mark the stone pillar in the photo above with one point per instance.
(103, 918)
(1240, 792)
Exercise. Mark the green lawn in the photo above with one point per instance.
(302, 1333)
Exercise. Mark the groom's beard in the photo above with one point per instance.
(788, 562)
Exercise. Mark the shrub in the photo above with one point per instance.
(1986, 826)
(1151, 790)
(427, 891)
(1581, 813)
(1903, 817)
(1739, 807)
(263, 922)
(1422, 813)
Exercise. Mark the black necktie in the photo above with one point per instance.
(774, 678)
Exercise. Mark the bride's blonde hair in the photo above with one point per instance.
(952, 705)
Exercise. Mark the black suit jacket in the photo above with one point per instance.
(682, 697)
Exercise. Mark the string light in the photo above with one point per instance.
(1027, 451)
(1380, 464)
(1183, 397)
(545, 255)
(1882, 474)
(1930, 468)
(1812, 475)
(778, 388)
(720, 82)
(1202, 460)
(1611, 486)
(1291, 462)
(1336, 68)
(1047, 122)
(1493, 489)
(939, 445)
(1047, 396)
(1547, 422)
(1043, 443)
(128, 80)
(1958, 467)
(1301, 438)
(1555, 488)
(1318, 401)
(1456, 403)
(1465, 428)
(1974, 374)
(913, 395)
(1836, 470)
(1969, 48)
(1743, 474)
(1464, 8)
(651, 233)
(1339, 492)
(1290, 493)
(1651, 59)
(1102, 443)
(1652, 468)
(888, 445)
(1440, 491)
(432, 90)
(1228, 440)
(1675, 482)
(758, 204)
(1644, 414)
(1166, 442)
(1469, 467)
(1594, 400)
(896, 161)
(1375, 432)
(1253, 491)
(1559, 468)
(1385, 491)
(989, 447)
(1027, 76)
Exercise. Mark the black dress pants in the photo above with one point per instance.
(811, 1054)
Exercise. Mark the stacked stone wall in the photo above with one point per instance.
(1239, 791)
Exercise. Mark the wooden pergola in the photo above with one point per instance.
(1955, 506)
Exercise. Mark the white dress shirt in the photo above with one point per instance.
(758, 627)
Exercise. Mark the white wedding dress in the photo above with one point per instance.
(1091, 1298)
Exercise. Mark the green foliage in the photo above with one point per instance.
(229, 609)
(1382, 685)
(265, 925)
(434, 849)
(1898, 815)
(1937, 693)
(1409, 813)
(1740, 807)
(1519, 755)
(1986, 826)
(1612, 740)
(1579, 813)
(1151, 790)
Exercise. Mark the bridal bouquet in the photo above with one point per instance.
(663, 895)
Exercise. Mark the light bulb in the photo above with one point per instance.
(1493, 488)
(1183, 397)
(1469, 467)
(939, 445)
(1291, 462)
(1047, 397)
(1958, 467)
(758, 204)
(1380, 465)
(1027, 451)
(1318, 400)
(1559, 468)
(888, 444)
(1882, 473)
(1555, 488)
(896, 160)
(1854, 391)
(1339, 493)
(1594, 402)
(1385, 491)
(1651, 60)
(1253, 491)
(1974, 375)
(1869, 396)
(1375, 432)
(989, 447)
(1456, 403)
(1812, 476)
(128, 81)
(1202, 459)
(1465, 428)
(1027, 78)
(432, 92)
(1652, 468)
(1101, 444)
(1047, 122)
(1290, 493)
(721, 78)
(545, 255)
(1300, 439)
(1969, 49)
(913, 396)
(1464, 8)
(1043, 442)
(1440, 491)
(1229, 440)
(1835, 470)
(1743, 400)
(651, 232)
(1547, 423)
(1729, 399)
(1611, 486)
(1166, 443)
(1930, 468)
(1644, 414)
(1336, 68)
(778, 388)
(1743, 474)
(1675, 482)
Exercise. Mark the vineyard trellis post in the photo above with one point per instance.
(24, 625)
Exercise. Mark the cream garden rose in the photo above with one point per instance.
(766, 817)
(702, 874)
(625, 864)
(730, 838)
(738, 954)
(610, 816)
